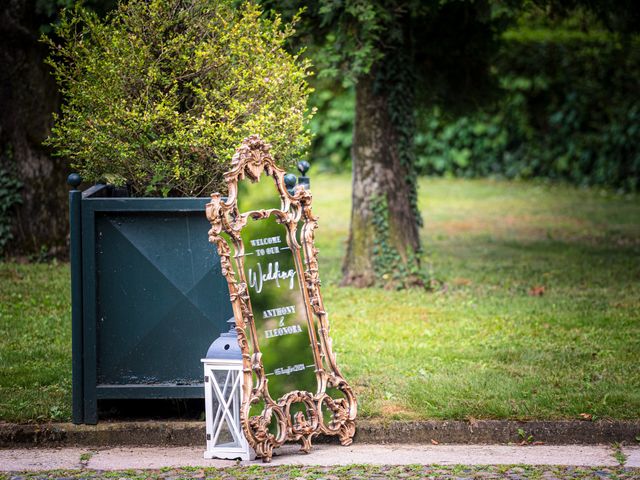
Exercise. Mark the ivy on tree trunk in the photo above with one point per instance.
(384, 241)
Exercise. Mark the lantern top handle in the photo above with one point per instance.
(226, 347)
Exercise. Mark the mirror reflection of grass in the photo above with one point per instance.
(286, 354)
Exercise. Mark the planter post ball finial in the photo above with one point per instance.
(74, 180)
(290, 182)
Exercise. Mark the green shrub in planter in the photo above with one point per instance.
(160, 93)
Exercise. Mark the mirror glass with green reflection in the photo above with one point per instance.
(278, 305)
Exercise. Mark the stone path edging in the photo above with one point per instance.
(125, 458)
(175, 433)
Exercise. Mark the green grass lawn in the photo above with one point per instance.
(479, 346)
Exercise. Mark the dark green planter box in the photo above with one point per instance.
(148, 298)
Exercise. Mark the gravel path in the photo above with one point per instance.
(351, 472)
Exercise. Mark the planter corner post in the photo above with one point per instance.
(75, 257)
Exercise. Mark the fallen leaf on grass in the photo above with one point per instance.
(434, 442)
(536, 291)
(586, 416)
(461, 281)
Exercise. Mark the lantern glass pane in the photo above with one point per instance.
(226, 423)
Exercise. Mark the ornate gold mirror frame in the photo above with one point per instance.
(298, 415)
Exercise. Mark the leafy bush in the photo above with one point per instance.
(571, 111)
(332, 127)
(160, 93)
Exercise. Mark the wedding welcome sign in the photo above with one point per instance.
(279, 309)
(293, 389)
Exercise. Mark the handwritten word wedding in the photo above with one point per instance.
(272, 272)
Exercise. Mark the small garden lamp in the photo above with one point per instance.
(223, 393)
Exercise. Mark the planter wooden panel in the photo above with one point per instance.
(148, 298)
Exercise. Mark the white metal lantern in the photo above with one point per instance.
(223, 393)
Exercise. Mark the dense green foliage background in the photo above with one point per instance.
(569, 109)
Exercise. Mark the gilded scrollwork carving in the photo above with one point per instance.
(279, 421)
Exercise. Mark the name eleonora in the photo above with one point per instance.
(278, 332)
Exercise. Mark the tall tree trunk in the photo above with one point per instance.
(28, 96)
(378, 174)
